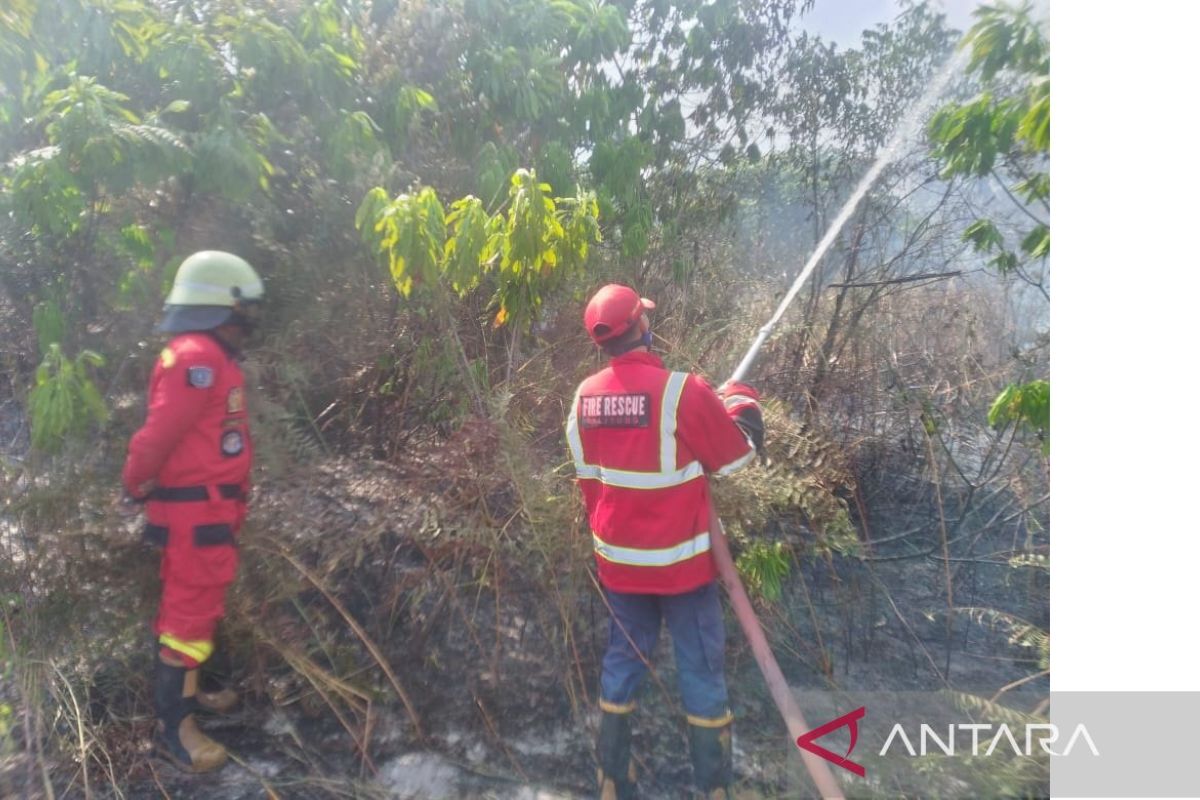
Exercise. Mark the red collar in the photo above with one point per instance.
(636, 357)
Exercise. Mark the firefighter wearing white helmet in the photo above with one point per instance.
(211, 289)
(189, 464)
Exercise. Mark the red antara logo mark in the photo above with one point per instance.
(808, 740)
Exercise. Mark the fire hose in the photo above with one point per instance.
(781, 693)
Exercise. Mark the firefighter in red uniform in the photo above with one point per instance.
(643, 440)
(190, 464)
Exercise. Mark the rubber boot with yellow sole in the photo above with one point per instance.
(177, 737)
(712, 759)
(615, 775)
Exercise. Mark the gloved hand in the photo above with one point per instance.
(127, 506)
(741, 403)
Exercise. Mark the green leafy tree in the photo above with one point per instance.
(1003, 134)
(539, 241)
(526, 248)
(524, 251)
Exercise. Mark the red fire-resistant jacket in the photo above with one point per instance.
(642, 439)
(196, 431)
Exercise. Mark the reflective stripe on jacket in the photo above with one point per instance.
(642, 439)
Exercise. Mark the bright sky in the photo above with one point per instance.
(844, 20)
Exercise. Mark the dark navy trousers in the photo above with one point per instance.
(698, 633)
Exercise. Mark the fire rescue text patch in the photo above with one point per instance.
(614, 411)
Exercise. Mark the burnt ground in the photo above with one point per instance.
(497, 645)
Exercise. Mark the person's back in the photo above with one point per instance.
(643, 440)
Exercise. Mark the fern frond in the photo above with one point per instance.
(1020, 632)
(152, 136)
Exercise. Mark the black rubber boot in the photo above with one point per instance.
(615, 775)
(176, 737)
(712, 760)
(169, 707)
(217, 672)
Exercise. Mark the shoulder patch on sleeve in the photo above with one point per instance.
(232, 443)
(167, 358)
(200, 377)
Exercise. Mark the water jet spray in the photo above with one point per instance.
(781, 693)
